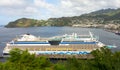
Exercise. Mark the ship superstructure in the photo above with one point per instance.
(74, 44)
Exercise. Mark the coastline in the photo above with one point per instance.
(113, 30)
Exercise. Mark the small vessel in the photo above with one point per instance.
(111, 46)
(73, 44)
(117, 33)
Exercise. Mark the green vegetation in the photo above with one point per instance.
(103, 16)
(26, 22)
(104, 59)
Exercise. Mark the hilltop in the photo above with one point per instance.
(103, 16)
(26, 22)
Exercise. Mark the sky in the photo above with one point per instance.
(11, 10)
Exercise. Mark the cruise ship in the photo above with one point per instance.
(73, 44)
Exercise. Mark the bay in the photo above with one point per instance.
(7, 34)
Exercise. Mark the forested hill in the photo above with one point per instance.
(26, 22)
(103, 16)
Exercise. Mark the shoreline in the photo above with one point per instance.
(112, 30)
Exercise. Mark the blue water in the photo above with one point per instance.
(7, 34)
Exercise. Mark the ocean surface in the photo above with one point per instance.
(7, 34)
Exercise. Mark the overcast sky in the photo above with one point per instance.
(11, 10)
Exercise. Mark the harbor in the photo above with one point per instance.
(65, 46)
(70, 49)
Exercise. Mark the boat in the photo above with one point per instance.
(117, 33)
(73, 44)
(111, 46)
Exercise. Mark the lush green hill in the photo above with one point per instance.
(103, 16)
(26, 22)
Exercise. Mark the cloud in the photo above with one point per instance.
(31, 10)
(12, 3)
(42, 4)
(18, 8)
(78, 7)
(45, 9)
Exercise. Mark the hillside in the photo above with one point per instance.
(26, 22)
(103, 16)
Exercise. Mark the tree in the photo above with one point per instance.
(103, 58)
(23, 60)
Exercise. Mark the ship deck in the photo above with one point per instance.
(82, 47)
(76, 47)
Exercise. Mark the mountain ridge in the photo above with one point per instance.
(103, 16)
